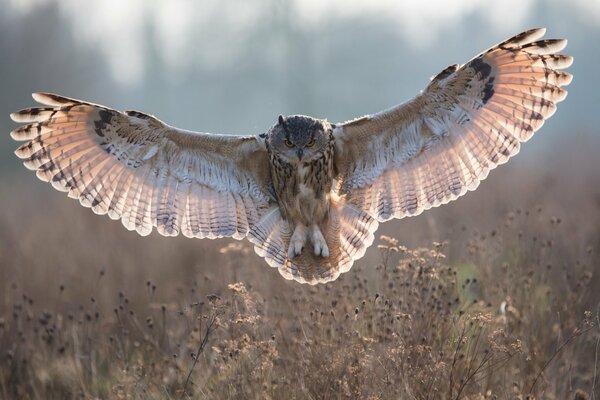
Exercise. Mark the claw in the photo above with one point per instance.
(297, 242)
(319, 243)
(295, 249)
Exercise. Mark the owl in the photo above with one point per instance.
(308, 194)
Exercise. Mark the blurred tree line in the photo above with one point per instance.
(235, 75)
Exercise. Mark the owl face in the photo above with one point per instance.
(299, 139)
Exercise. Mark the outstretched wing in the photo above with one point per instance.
(134, 167)
(437, 146)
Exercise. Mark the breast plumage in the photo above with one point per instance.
(301, 153)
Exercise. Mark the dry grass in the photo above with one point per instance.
(505, 306)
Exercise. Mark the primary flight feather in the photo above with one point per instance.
(308, 194)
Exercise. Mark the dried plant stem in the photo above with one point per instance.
(575, 335)
(454, 360)
(593, 394)
(470, 376)
(210, 327)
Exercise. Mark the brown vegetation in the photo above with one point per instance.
(504, 306)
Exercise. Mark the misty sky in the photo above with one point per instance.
(233, 66)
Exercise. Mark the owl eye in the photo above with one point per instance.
(311, 143)
(288, 143)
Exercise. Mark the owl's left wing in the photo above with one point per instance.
(441, 144)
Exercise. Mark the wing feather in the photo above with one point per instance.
(441, 144)
(135, 168)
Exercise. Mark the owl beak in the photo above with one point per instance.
(300, 153)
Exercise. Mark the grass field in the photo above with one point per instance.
(492, 297)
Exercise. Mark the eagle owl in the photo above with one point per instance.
(307, 194)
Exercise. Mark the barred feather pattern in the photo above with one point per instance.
(135, 168)
(347, 230)
(443, 143)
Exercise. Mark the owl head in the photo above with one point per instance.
(299, 138)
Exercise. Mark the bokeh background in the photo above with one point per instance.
(529, 235)
(233, 66)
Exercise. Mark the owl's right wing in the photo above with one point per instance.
(135, 168)
(441, 144)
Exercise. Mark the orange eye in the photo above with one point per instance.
(288, 143)
(311, 143)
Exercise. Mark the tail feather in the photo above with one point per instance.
(268, 238)
(348, 232)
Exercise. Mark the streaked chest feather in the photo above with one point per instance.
(305, 189)
(302, 188)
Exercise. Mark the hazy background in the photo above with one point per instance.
(232, 67)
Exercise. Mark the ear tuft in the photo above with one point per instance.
(281, 120)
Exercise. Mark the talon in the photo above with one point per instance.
(295, 249)
(291, 252)
(320, 246)
(297, 242)
(318, 249)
